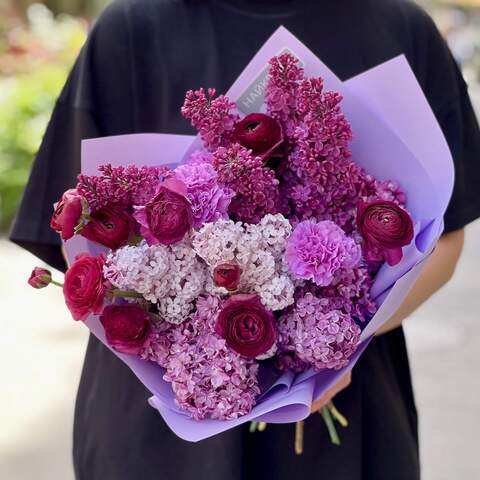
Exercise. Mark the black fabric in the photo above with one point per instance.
(141, 57)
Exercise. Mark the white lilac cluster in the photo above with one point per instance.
(257, 249)
(170, 276)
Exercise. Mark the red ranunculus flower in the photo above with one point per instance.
(40, 277)
(385, 228)
(167, 217)
(246, 325)
(127, 327)
(260, 133)
(227, 275)
(84, 287)
(67, 214)
(110, 226)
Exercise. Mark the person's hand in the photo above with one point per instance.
(331, 392)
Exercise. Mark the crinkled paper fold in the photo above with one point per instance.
(396, 136)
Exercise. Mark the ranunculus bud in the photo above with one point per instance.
(40, 277)
(246, 325)
(260, 133)
(67, 214)
(227, 275)
(84, 287)
(385, 228)
(127, 327)
(167, 217)
(110, 226)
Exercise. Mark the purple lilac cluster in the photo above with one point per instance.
(209, 379)
(317, 333)
(212, 116)
(125, 186)
(255, 186)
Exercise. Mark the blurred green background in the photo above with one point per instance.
(39, 42)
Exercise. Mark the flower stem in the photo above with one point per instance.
(58, 284)
(337, 415)
(332, 431)
(262, 426)
(299, 437)
(126, 294)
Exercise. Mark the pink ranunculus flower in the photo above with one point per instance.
(227, 275)
(260, 133)
(40, 277)
(246, 325)
(110, 226)
(167, 217)
(84, 287)
(127, 327)
(67, 214)
(385, 228)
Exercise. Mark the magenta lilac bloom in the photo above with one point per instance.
(125, 186)
(318, 251)
(211, 115)
(255, 186)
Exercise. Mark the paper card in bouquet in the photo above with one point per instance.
(395, 136)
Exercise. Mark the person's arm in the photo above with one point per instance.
(438, 270)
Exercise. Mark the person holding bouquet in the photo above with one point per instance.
(140, 58)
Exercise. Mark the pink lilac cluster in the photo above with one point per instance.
(317, 333)
(172, 277)
(212, 116)
(208, 378)
(125, 186)
(255, 185)
(256, 249)
(319, 251)
(349, 293)
(209, 201)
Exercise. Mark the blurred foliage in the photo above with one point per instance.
(35, 58)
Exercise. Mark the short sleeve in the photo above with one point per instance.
(94, 102)
(446, 90)
(460, 127)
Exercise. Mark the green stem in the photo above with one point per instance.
(126, 294)
(337, 415)
(332, 431)
(262, 426)
(58, 284)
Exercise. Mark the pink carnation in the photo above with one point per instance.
(318, 251)
(209, 201)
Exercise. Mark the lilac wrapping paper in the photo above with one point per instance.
(395, 136)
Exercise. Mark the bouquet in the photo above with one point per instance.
(242, 272)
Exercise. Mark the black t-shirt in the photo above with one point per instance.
(131, 76)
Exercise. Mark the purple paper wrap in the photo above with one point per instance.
(395, 136)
